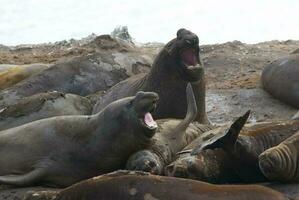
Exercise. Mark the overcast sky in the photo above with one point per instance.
(215, 21)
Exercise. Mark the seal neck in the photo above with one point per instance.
(164, 71)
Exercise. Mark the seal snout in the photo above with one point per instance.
(145, 103)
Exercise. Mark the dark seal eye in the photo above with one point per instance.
(188, 41)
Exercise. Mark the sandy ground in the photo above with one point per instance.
(233, 72)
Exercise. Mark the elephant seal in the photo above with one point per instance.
(171, 137)
(43, 105)
(228, 160)
(281, 79)
(280, 163)
(176, 64)
(17, 73)
(81, 75)
(140, 185)
(63, 150)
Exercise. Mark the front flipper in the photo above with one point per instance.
(28, 179)
(225, 140)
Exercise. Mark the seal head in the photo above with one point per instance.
(184, 54)
(137, 112)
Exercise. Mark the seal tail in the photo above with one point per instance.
(191, 110)
(227, 140)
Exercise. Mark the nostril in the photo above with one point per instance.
(169, 169)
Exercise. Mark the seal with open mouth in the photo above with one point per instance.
(177, 64)
(171, 137)
(63, 150)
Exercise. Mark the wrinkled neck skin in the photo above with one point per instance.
(164, 68)
(246, 154)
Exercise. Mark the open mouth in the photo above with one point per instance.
(189, 58)
(148, 120)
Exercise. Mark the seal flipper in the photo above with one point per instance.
(28, 179)
(191, 110)
(226, 140)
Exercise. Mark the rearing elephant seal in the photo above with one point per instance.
(176, 64)
(125, 185)
(281, 163)
(281, 79)
(62, 150)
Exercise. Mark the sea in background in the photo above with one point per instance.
(215, 21)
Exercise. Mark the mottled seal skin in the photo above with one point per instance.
(281, 79)
(221, 162)
(280, 163)
(171, 137)
(176, 64)
(17, 73)
(213, 166)
(140, 185)
(43, 105)
(81, 76)
(63, 150)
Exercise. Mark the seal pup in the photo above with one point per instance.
(43, 105)
(176, 64)
(140, 185)
(171, 136)
(281, 79)
(63, 150)
(228, 160)
(280, 163)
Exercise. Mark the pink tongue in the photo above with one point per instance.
(189, 57)
(148, 119)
